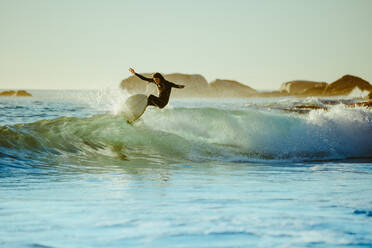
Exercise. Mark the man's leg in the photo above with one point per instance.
(156, 101)
(153, 101)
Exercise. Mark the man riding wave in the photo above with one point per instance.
(164, 89)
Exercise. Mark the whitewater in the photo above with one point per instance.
(198, 173)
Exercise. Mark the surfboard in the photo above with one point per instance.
(134, 107)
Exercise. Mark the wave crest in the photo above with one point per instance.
(198, 134)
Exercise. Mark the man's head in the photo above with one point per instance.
(157, 77)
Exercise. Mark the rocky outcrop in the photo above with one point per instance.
(317, 90)
(15, 93)
(274, 93)
(345, 86)
(197, 86)
(308, 107)
(369, 97)
(230, 89)
(301, 87)
(342, 86)
(303, 109)
(22, 93)
(364, 104)
(8, 93)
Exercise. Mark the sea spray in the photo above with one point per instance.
(109, 99)
(347, 131)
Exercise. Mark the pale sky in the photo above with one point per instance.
(78, 44)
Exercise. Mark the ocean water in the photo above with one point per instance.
(199, 173)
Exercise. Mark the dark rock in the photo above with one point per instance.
(195, 85)
(363, 104)
(230, 88)
(271, 94)
(22, 93)
(369, 97)
(317, 90)
(345, 85)
(310, 107)
(8, 93)
(15, 93)
(299, 87)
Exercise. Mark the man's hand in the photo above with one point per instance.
(131, 70)
(181, 86)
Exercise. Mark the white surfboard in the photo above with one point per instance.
(134, 107)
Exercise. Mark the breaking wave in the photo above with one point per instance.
(195, 134)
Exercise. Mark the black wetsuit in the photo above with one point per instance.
(164, 88)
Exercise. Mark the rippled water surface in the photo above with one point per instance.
(199, 173)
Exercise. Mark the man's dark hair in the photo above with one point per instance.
(158, 75)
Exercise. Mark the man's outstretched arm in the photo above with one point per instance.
(179, 86)
(140, 76)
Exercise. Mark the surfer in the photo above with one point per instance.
(164, 88)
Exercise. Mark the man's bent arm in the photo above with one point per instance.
(144, 78)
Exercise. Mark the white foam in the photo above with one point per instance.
(337, 133)
(358, 93)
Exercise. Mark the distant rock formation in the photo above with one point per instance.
(369, 97)
(230, 89)
(311, 107)
(341, 87)
(345, 85)
(195, 86)
(22, 93)
(364, 104)
(303, 109)
(317, 90)
(15, 93)
(301, 87)
(275, 93)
